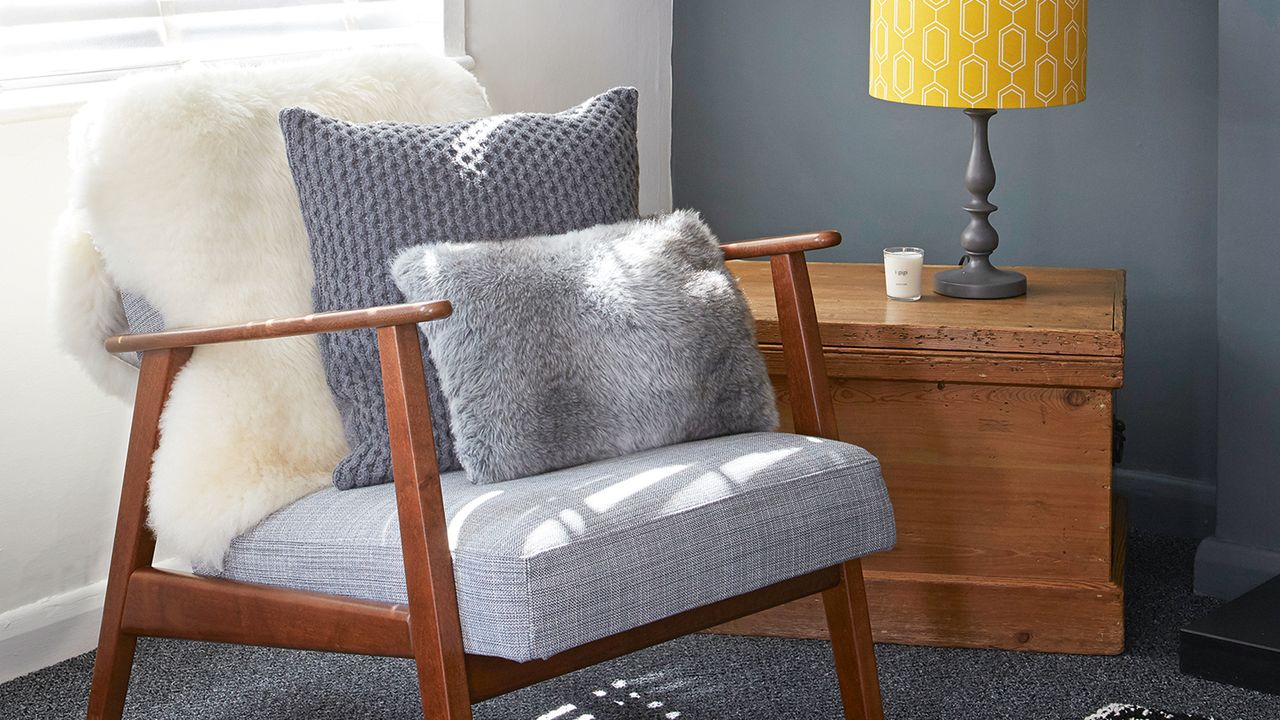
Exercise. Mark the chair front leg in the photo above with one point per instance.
(434, 626)
(848, 620)
(849, 624)
(134, 546)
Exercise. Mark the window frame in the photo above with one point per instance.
(55, 100)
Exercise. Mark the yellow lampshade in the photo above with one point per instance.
(979, 53)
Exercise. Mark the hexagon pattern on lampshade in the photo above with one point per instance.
(979, 53)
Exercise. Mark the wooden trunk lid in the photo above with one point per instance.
(1066, 311)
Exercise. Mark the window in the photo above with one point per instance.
(60, 43)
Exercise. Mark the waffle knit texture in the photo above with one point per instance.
(368, 191)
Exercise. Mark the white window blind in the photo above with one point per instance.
(47, 43)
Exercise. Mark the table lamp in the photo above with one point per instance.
(982, 56)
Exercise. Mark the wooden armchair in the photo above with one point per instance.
(145, 601)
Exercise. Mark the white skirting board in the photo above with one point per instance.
(55, 628)
(49, 631)
(1167, 504)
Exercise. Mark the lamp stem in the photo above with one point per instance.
(980, 236)
(976, 277)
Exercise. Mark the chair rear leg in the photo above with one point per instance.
(134, 544)
(850, 626)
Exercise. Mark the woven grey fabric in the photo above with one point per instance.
(588, 345)
(371, 190)
(550, 562)
(142, 317)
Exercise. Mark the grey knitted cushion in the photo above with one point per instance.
(370, 190)
(547, 563)
(600, 342)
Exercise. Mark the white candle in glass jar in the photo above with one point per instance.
(903, 269)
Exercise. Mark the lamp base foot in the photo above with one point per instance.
(978, 279)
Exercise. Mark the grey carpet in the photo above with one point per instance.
(696, 678)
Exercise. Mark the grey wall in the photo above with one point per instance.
(1246, 548)
(774, 131)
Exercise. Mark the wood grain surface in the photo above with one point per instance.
(993, 423)
(1004, 481)
(171, 604)
(1072, 371)
(337, 321)
(951, 611)
(1065, 311)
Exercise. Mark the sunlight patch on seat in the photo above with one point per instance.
(604, 500)
(707, 487)
(741, 469)
(392, 523)
(549, 533)
(573, 520)
(455, 525)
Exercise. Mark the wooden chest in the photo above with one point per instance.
(993, 422)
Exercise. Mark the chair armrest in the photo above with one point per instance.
(781, 245)
(384, 316)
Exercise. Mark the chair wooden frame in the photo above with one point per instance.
(145, 601)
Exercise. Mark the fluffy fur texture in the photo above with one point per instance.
(180, 182)
(592, 344)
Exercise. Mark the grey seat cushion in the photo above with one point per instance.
(553, 561)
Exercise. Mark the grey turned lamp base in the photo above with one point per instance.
(978, 279)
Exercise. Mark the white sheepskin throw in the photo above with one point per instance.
(181, 193)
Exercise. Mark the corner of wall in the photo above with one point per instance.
(1227, 570)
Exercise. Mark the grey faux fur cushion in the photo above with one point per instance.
(596, 343)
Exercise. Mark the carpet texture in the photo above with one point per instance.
(697, 678)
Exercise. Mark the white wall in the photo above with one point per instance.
(62, 441)
(548, 55)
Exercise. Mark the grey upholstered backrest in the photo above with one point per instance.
(142, 316)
